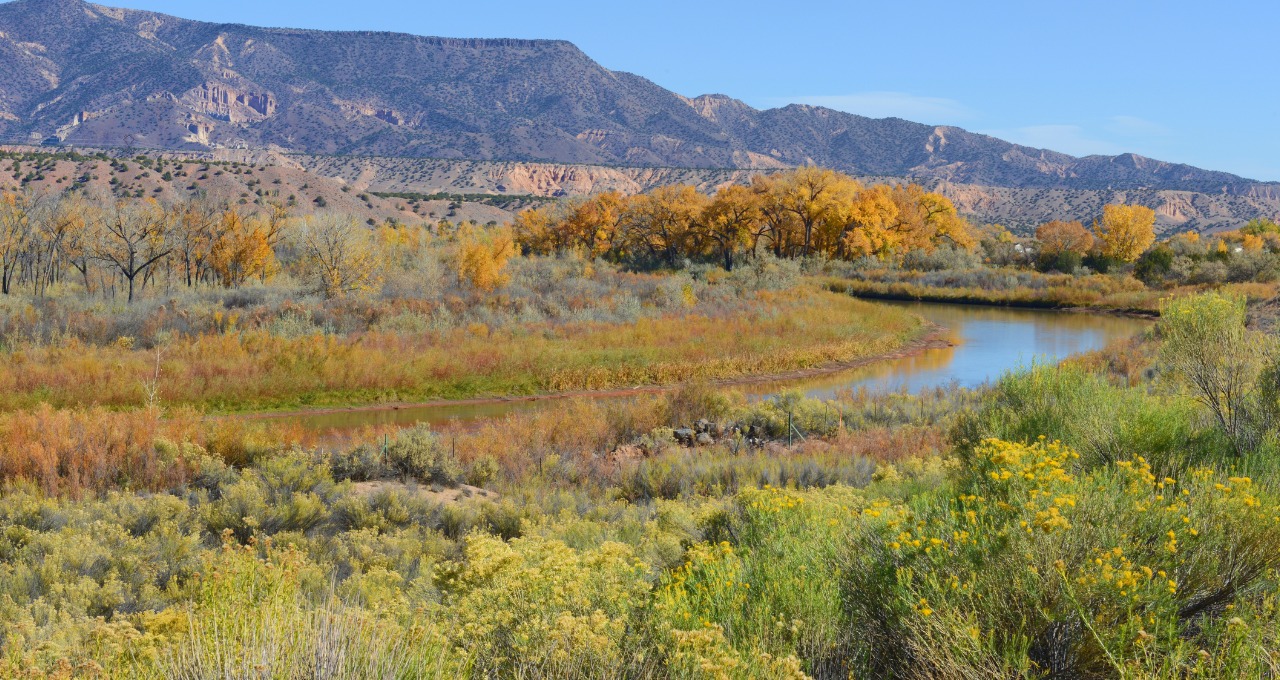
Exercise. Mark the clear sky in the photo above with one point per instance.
(1192, 82)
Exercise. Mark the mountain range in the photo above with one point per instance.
(92, 76)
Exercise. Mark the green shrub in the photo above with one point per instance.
(1064, 261)
(361, 463)
(773, 596)
(1154, 265)
(1103, 422)
(416, 452)
(1206, 345)
(482, 471)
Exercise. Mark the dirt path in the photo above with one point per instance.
(936, 338)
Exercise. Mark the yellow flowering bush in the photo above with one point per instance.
(259, 611)
(536, 607)
(1030, 568)
(707, 654)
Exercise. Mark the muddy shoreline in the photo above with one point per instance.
(971, 301)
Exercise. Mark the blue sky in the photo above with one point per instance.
(1179, 81)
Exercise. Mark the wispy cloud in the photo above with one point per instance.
(1110, 135)
(1133, 126)
(1071, 139)
(884, 104)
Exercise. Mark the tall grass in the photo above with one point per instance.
(248, 370)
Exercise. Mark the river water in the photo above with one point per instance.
(989, 341)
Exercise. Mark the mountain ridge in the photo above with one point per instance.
(90, 75)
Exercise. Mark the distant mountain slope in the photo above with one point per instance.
(88, 75)
(1021, 208)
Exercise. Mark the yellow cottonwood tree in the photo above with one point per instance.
(537, 231)
(661, 222)
(1126, 231)
(482, 258)
(817, 198)
(241, 250)
(927, 219)
(869, 224)
(592, 224)
(732, 215)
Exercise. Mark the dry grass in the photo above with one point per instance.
(255, 370)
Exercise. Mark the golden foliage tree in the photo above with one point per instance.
(589, 225)
(777, 223)
(870, 221)
(537, 230)
(807, 211)
(483, 258)
(662, 221)
(1126, 231)
(729, 219)
(1064, 237)
(816, 199)
(927, 219)
(241, 250)
(887, 221)
(593, 223)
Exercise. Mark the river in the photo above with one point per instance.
(988, 341)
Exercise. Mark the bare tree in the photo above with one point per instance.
(134, 237)
(17, 212)
(336, 255)
(194, 224)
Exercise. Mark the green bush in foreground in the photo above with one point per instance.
(1206, 345)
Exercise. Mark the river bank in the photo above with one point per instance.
(965, 345)
(936, 337)
(1095, 294)
(257, 370)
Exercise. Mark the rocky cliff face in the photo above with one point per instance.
(85, 74)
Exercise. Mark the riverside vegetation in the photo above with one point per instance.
(1114, 516)
(1083, 519)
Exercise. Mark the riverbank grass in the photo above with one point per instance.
(772, 332)
(1021, 288)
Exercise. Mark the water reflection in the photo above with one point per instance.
(989, 342)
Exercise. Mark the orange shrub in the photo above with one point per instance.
(92, 450)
